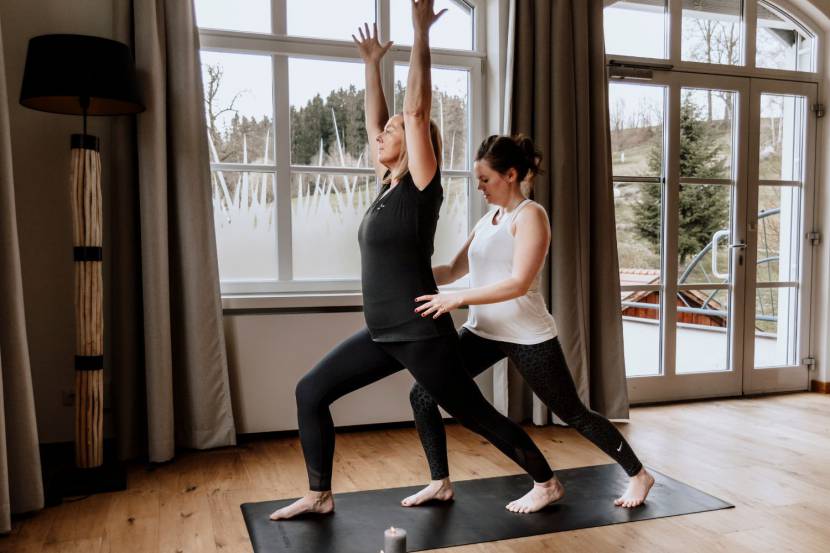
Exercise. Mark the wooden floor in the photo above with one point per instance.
(769, 456)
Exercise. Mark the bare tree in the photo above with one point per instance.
(719, 43)
(618, 115)
(212, 87)
(727, 43)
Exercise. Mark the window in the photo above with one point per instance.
(291, 174)
(245, 15)
(782, 42)
(637, 154)
(624, 15)
(711, 32)
(459, 18)
(304, 17)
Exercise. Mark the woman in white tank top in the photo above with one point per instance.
(504, 256)
(521, 320)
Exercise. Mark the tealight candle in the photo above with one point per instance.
(394, 540)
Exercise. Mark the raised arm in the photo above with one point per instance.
(417, 101)
(372, 52)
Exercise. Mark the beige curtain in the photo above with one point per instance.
(21, 487)
(559, 97)
(170, 369)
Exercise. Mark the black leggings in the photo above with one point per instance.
(436, 364)
(544, 368)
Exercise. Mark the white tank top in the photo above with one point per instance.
(522, 320)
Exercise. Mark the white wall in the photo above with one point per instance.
(819, 11)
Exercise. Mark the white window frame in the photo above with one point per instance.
(747, 68)
(280, 46)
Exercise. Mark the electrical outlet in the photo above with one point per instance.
(68, 398)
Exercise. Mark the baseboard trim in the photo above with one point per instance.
(379, 426)
(820, 387)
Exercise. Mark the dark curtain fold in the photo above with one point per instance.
(170, 369)
(560, 99)
(21, 486)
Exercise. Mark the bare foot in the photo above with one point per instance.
(637, 490)
(312, 502)
(440, 490)
(539, 497)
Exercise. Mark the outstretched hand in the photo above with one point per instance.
(370, 49)
(423, 14)
(438, 304)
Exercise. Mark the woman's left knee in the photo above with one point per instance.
(420, 399)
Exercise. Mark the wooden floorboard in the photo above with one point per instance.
(770, 456)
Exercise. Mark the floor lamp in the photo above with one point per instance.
(84, 75)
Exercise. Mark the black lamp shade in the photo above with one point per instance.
(63, 70)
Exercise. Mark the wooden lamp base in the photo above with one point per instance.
(89, 333)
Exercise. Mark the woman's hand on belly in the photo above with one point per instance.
(438, 304)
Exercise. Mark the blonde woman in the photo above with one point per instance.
(396, 244)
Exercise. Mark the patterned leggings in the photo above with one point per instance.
(544, 368)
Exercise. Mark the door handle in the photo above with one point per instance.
(715, 238)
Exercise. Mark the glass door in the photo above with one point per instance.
(695, 217)
(712, 187)
(779, 243)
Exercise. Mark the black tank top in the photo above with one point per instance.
(396, 244)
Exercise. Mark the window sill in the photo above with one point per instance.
(292, 302)
(307, 301)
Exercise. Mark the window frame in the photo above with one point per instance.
(280, 47)
(748, 68)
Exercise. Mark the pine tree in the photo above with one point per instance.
(313, 122)
(703, 209)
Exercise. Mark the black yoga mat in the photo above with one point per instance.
(476, 515)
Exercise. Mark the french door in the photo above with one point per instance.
(720, 188)
(779, 244)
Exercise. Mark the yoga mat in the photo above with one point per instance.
(476, 515)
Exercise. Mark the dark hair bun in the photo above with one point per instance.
(517, 152)
(532, 154)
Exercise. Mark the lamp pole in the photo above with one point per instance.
(89, 321)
